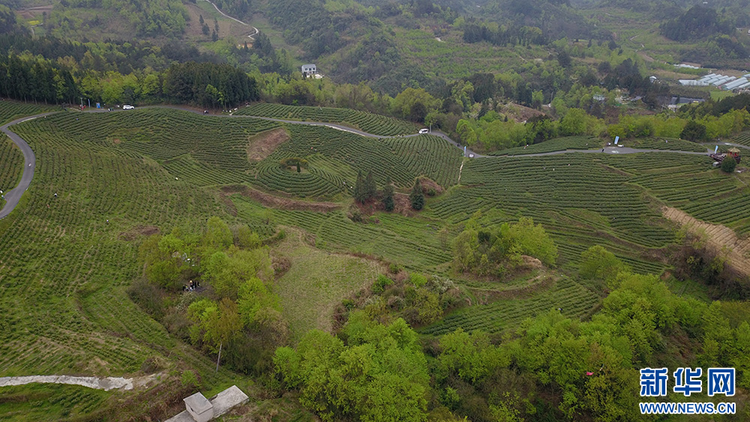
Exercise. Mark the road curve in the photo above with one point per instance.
(29, 164)
(14, 195)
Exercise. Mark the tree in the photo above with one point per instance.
(371, 189)
(694, 131)
(388, 203)
(218, 235)
(417, 197)
(599, 263)
(215, 324)
(360, 190)
(728, 164)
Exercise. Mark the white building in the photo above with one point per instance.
(309, 69)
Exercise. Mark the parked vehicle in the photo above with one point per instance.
(423, 131)
(127, 107)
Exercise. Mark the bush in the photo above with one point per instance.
(189, 379)
(728, 164)
(381, 283)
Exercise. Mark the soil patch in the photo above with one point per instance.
(263, 144)
(520, 113)
(139, 231)
(428, 184)
(718, 237)
(279, 202)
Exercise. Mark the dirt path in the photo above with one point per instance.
(106, 384)
(718, 236)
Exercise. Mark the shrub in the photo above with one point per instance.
(728, 164)
(381, 283)
(189, 379)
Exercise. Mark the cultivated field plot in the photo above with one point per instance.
(204, 150)
(587, 199)
(575, 300)
(403, 240)
(665, 144)
(335, 157)
(11, 163)
(11, 110)
(692, 185)
(742, 138)
(559, 144)
(367, 122)
(64, 263)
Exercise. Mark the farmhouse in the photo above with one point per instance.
(309, 70)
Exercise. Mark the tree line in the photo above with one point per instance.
(205, 84)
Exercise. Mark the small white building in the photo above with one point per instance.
(199, 407)
(309, 69)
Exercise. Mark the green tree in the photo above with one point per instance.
(371, 189)
(388, 202)
(215, 325)
(360, 189)
(246, 238)
(728, 164)
(217, 236)
(574, 122)
(599, 263)
(417, 197)
(694, 131)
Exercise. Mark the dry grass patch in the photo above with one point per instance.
(263, 144)
(719, 237)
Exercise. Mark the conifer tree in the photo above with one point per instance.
(416, 196)
(388, 203)
(359, 189)
(371, 189)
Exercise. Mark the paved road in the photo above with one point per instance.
(14, 195)
(607, 150)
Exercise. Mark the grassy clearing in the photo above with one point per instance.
(317, 282)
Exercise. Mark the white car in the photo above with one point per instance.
(423, 131)
(127, 107)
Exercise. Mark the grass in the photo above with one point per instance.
(317, 282)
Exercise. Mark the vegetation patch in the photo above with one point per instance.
(262, 145)
(317, 282)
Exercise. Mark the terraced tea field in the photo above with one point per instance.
(335, 157)
(559, 144)
(587, 199)
(366, 122)
(506, 314)
(11, 165)
(11, 110)
(403, 240)
(742, 138)
(64, 265)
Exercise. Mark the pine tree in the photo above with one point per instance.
(416, 196)
(371, 189)
(388, 203)
(359, 189)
